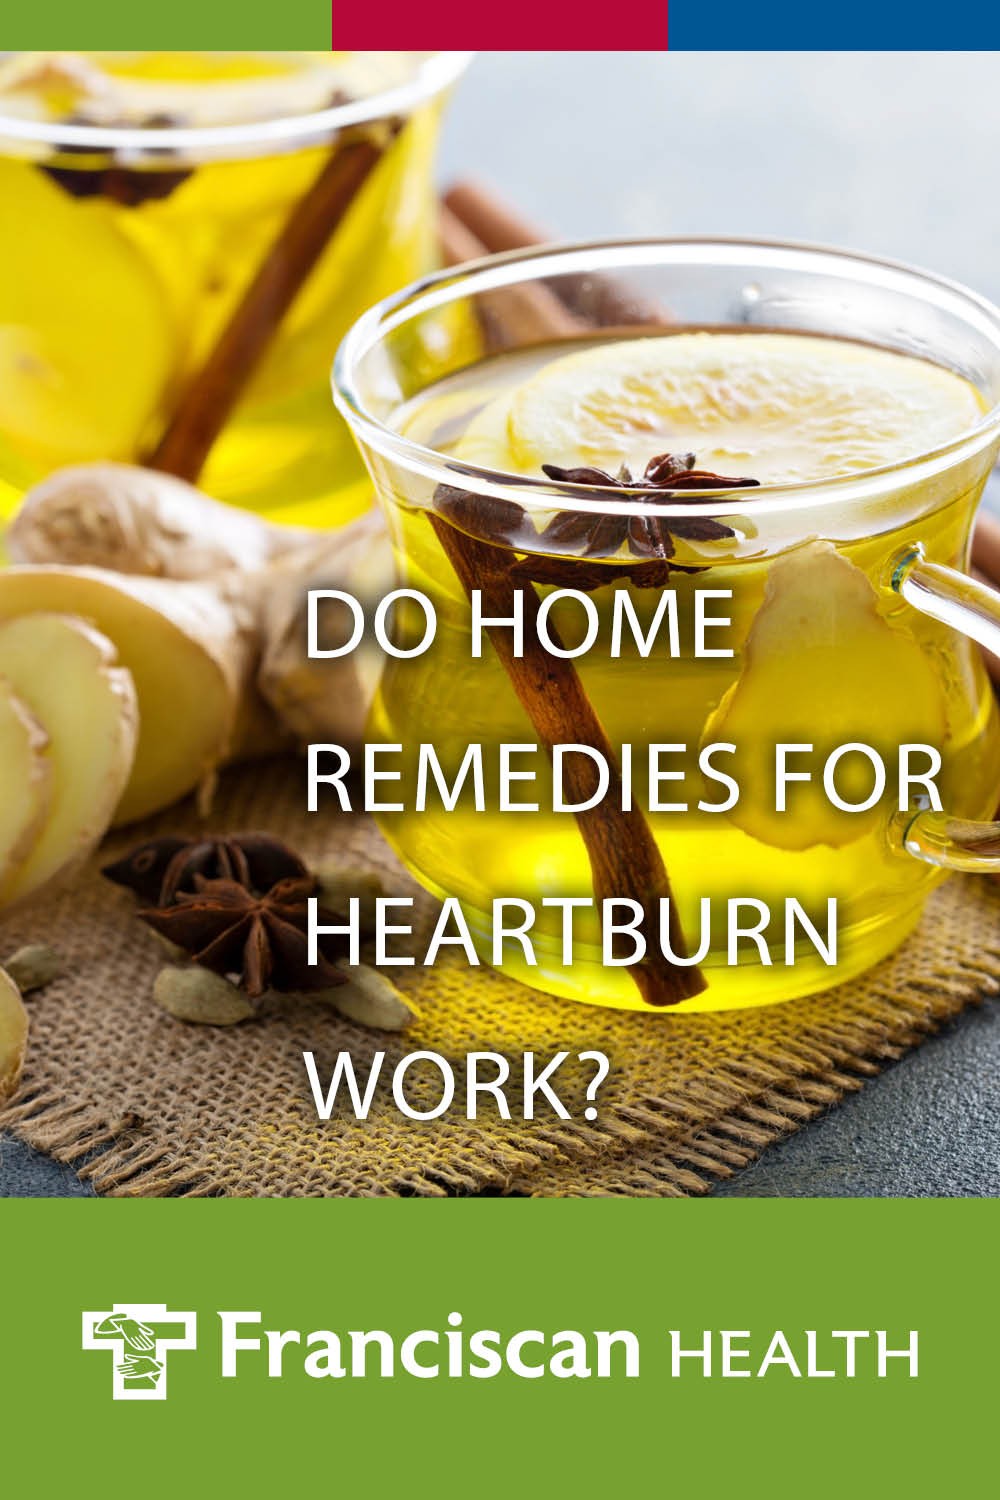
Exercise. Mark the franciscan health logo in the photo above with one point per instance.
(138, 1336)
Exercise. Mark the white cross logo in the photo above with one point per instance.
(139, 1334)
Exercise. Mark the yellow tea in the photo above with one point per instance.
(819, 653)
(124, 253)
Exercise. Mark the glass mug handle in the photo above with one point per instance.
(970, 607)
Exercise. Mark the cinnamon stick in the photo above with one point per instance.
(207, 401)
(623, 854)
(498, 224)
(624, 857)
(510, 316)
(986, 561)
(600, 300)
(986, 545)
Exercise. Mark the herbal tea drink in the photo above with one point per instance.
(818, 657)
(142, 193)
(737, 521)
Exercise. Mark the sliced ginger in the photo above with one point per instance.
(26, 779)
(13, 1034)
(821, 666)
(187, 651)
(67, 674)
(216, 643)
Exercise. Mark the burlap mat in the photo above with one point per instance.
(144, 1105)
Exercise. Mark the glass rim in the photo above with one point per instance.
(436, 73)
(613, 255)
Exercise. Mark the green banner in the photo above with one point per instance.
(121, 24)
(537, 1347)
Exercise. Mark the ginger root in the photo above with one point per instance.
(13, 1034)
(67, 674)
(320, 699)
(240, 592)
(148, 524)
(206, 608)
(189, 649)
(25, 766)
(140, 521)
(844, 667)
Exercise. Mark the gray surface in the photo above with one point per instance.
(28, 1174)
(929, 1127)
(892, 153)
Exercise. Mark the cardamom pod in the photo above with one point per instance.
(34, 966)
(338, 883)
(370, 999)
(195, 994)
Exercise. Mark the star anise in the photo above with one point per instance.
(644, 536)
(158, 871)
(260, 938)
(126, 185)
(598, 540)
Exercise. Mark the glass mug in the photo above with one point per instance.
(906, 665)
(125, 251)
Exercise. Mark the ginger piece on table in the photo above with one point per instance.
(68, 676)
(13, 1034)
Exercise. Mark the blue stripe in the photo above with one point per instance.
(850, 25)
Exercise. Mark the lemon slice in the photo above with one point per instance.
(781, 408)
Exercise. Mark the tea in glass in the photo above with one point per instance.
(140, 193)
(781, 469)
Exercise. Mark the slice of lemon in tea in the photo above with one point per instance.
(780, 408)
(86, 343)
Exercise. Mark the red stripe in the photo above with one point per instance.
(558, 25)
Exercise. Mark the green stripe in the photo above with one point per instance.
(123, 24)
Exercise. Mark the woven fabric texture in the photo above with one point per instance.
(145, 1105)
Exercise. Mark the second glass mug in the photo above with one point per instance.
(124, 252)
(907, 527)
